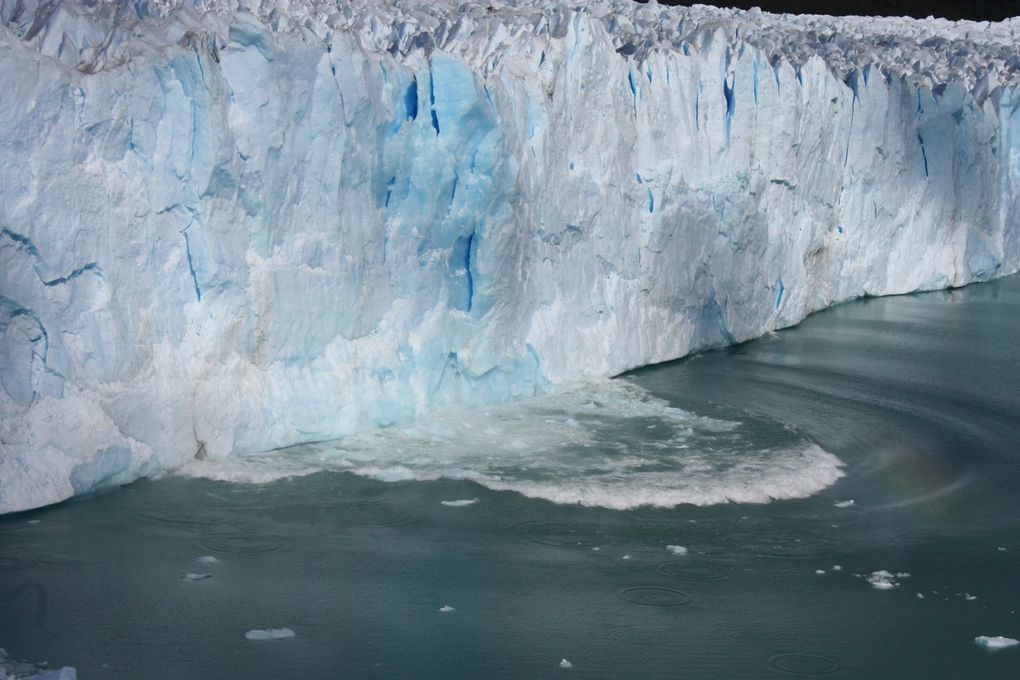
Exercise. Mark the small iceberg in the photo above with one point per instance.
(844, 504)
(566, 664)
(883, 580)
(677, 549)
(997, 642)
(206, 559)
(191, 576)
(269, 634)
(460, 503)
(446, 609)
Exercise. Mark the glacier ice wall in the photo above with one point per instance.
(229, 227)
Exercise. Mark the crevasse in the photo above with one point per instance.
(227, 227)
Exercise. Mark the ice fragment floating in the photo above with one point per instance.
(994, 643)
(269, 634)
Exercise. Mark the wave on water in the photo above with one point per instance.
(605, 443)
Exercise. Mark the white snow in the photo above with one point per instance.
(677, 549)
(997, 642)
(269, 634)
(505, 202)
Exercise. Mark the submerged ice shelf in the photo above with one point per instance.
(229, 227)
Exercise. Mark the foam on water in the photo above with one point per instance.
(605, 443)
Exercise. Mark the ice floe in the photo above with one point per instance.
(269, 634)
(997, 642)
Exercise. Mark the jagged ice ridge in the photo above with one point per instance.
(227, 227)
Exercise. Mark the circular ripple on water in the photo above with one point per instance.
(778, 545)
(812, 548)
(15, 563)
(373, 513)
(244, 543)
(693, 572)
(182, 518)
(73, 559)
(804, 664)
(561, 535)
(654, 596)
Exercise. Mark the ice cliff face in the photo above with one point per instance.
(228, 227)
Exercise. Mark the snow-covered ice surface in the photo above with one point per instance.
(233, 226)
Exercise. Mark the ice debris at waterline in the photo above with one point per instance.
(234, 226)
(269, 634)
(588, 445)
(20, 670)
(997, 642)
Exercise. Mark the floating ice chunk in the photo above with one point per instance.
(446, 609)
(969, 597)
(191, 576)
(566, 664)
(920, 596)
(844, 504)
(820, 572)
(395, 473)
(35, 521)
(837, 567)
(596, 548)
(997, 642)
(903, 574)
(626, 557)
(460, 503)
(1002, 548)
(269, 634)
(883, 580)
(207, 559)
(677, 549)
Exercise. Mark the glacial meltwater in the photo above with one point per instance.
(837, 499)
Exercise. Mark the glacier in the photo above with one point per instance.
(229, 226)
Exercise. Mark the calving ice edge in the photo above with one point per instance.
(227, 227)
